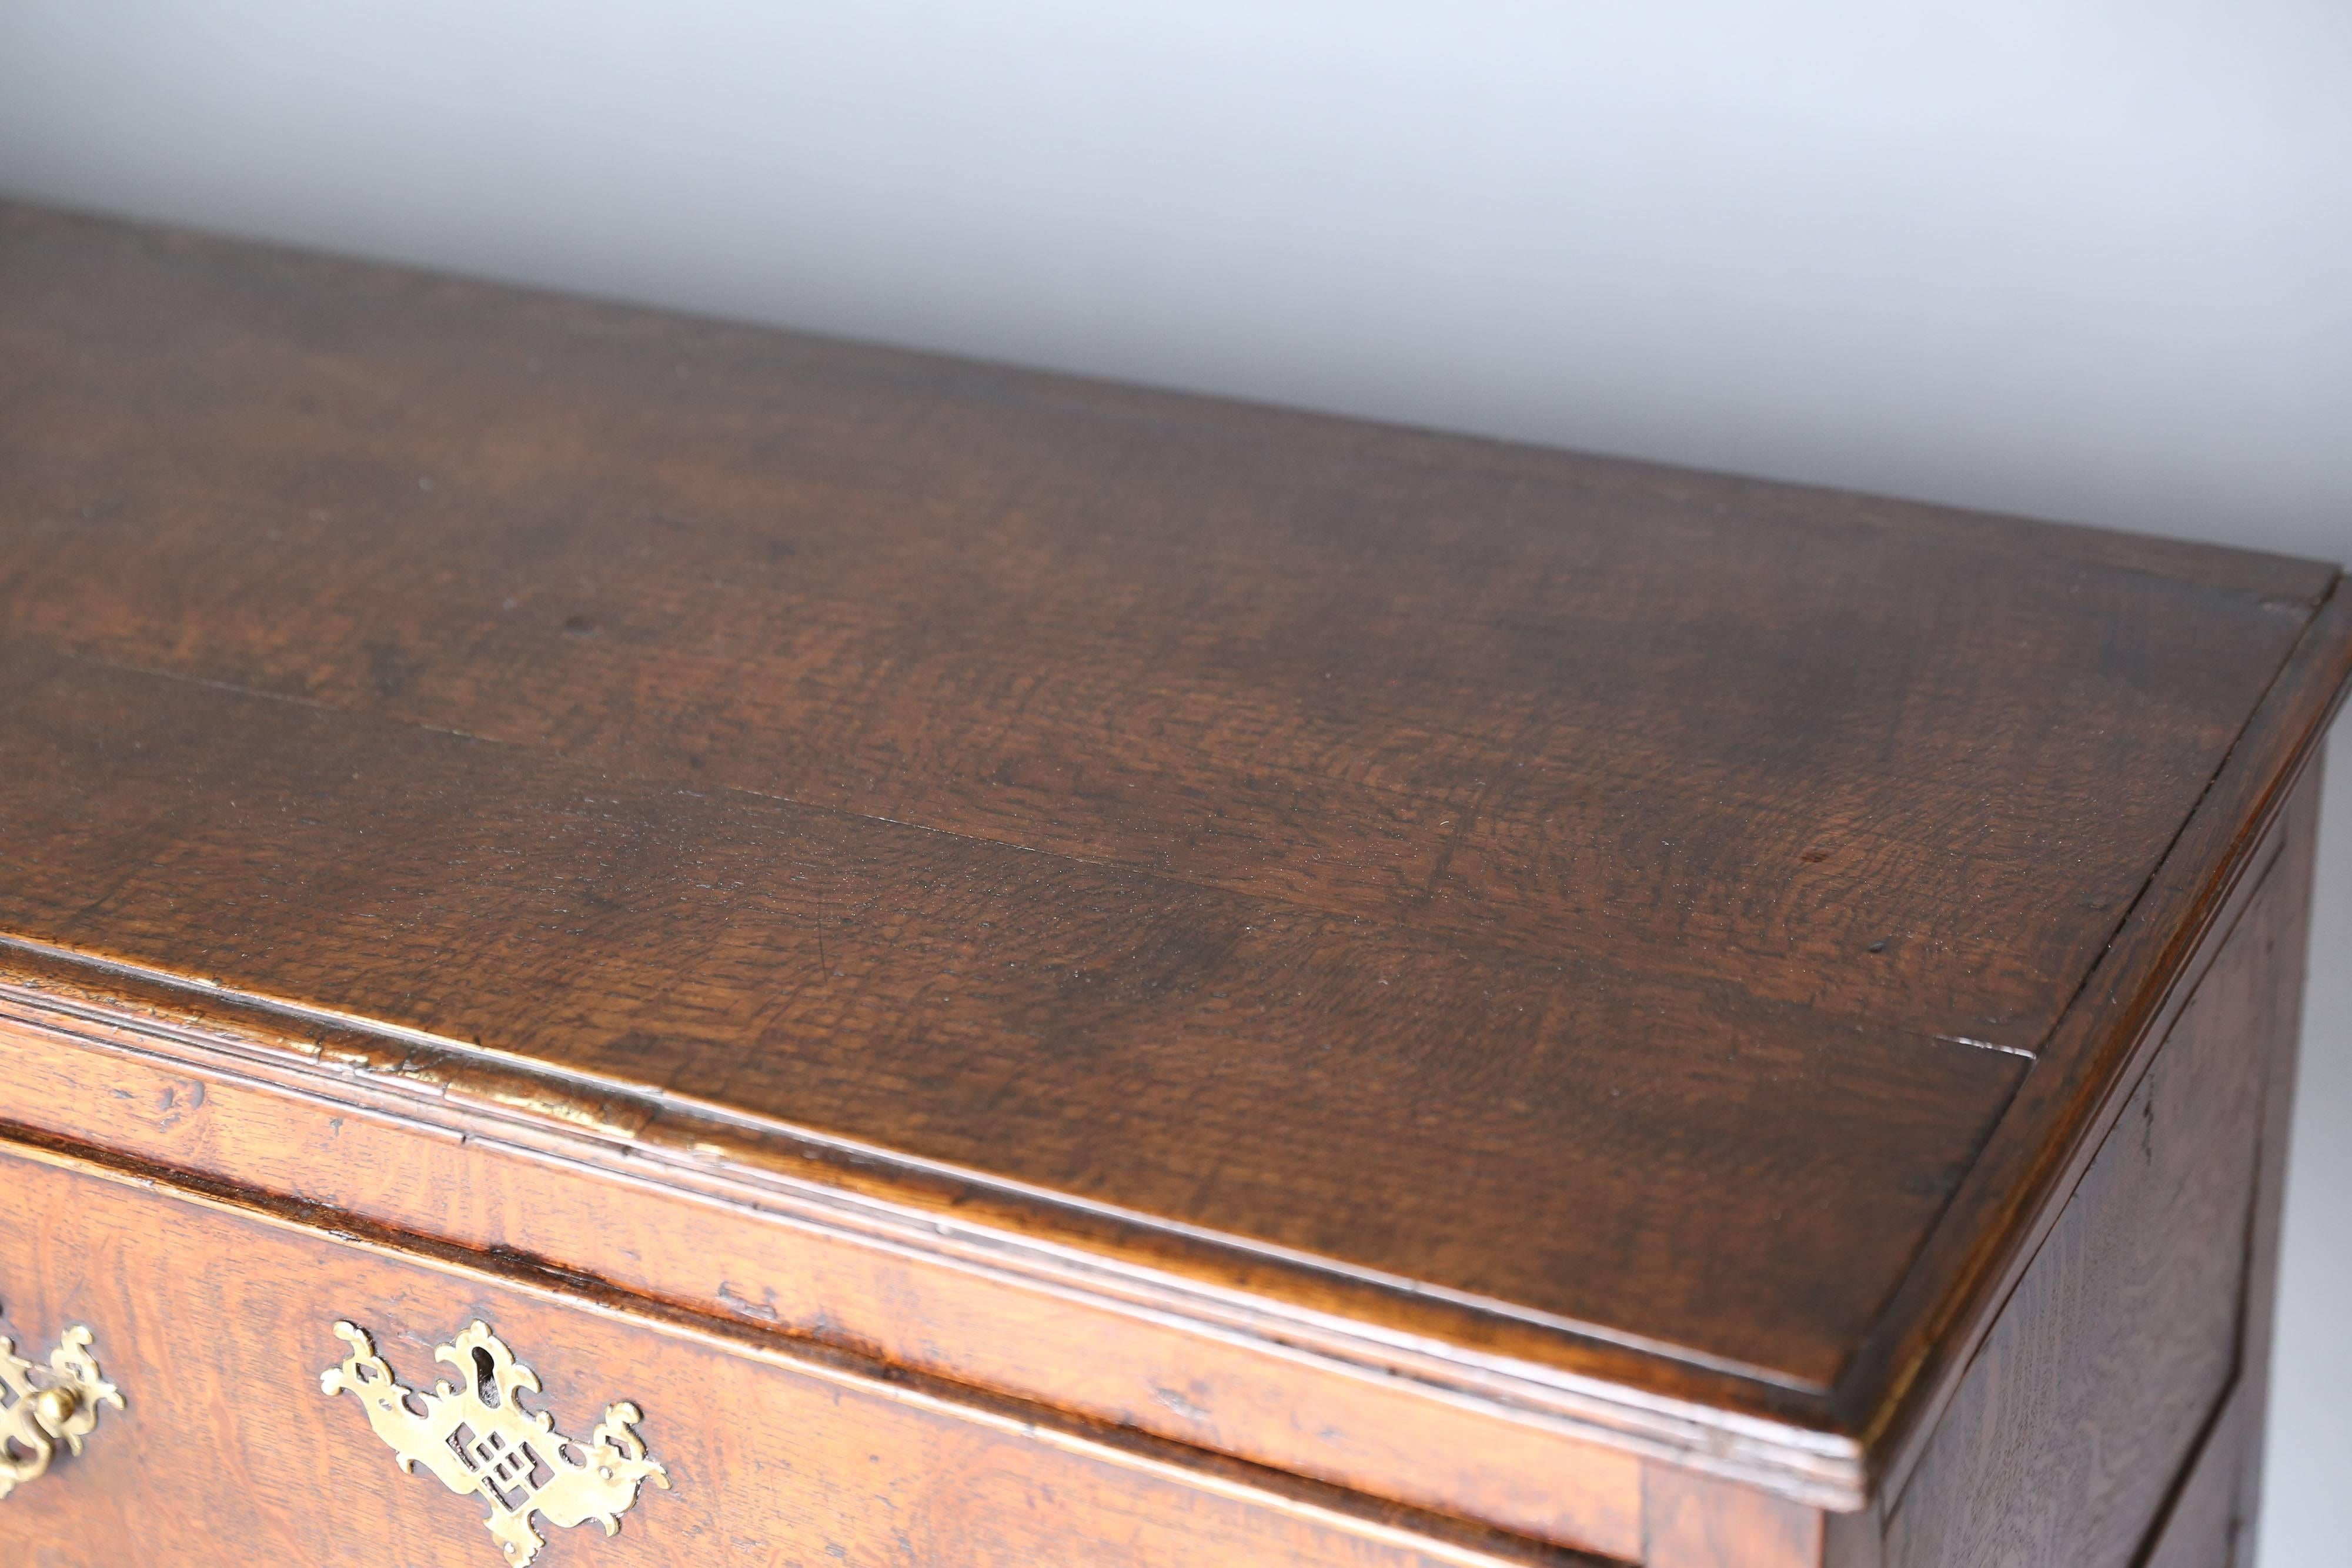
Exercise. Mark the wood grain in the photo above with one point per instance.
(1356, 694)
(2250, 1425)
(1544, 950)
(1561, 1142)
(2123, 1337)
(216, 1326)
(1823, 748)
(1696, 1521)
(2202, 1527)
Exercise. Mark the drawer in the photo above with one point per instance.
(217, 1321)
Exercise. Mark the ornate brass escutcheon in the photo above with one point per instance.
(42, 1406)
(477, 1438)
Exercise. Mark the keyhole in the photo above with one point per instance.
(485, 1382)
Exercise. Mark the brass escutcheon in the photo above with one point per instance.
(477, 1439)
(43, 1406)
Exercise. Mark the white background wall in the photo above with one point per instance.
(2089, 259)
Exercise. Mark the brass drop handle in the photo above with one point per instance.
(48, 1405)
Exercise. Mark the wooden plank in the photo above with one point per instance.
(2254, 1369)
(1697, 1522)
(1833, 751)
(2203, 1528)
(1517, 1137)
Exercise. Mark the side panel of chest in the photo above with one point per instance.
(2128, 1354)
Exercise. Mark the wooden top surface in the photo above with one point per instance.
(1618, 904)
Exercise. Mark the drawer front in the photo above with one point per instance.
(217, 1324)
(773, 1260)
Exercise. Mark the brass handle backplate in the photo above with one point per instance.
(477, 1439)
(48, 1405)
